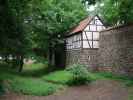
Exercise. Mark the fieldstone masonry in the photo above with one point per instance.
(86, 57)
(116, 50)
(73, 57)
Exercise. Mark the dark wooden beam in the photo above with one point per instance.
(87, 40)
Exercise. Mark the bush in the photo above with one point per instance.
(79, 74)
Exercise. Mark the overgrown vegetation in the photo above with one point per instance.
(30, 85)
(64, 77)
(45, 84)
(79, 74)
(73, 75)
(38, 27)
(114, 12)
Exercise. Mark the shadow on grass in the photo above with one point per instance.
(127, 80)
(33, 70)
(2, 91)
(36, 73)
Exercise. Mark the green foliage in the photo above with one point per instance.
(59, 77)
(40, 24)
(90, 2)
(13, 38)
(79, 74)
(13, 34)
(116, 11)
(51, 19)
(29, 85)
(65, 77)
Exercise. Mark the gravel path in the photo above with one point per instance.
(99, 90)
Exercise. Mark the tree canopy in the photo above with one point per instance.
(51, 19)
(115, 11)
(41, 23)
(13, 38)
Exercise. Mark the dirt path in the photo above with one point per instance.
(99, 90)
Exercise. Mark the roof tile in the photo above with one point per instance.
(81, 26)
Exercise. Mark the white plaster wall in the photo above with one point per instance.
(73, 42)
(94, 27)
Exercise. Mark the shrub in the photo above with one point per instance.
(79, 74)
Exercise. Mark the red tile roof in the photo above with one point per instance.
(81, 26)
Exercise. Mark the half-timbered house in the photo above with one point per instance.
(82, 43)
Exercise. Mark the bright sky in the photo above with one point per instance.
(91, 8)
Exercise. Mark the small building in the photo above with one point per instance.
(82, 43)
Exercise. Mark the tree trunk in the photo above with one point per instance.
(51, 57)
(6, 58)
(21, 63)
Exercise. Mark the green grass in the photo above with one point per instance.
(128, 81)
(130, 93)
(34, 66)
(26, 84)
(35, 81)
(35, 69)
(62, 77)
(31, 86)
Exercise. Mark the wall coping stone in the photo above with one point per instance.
(117, 27)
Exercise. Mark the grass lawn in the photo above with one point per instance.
(34, 80)
(61, 77)
(33, 86)
(29, 85)
(35, 70)
(130, 91)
